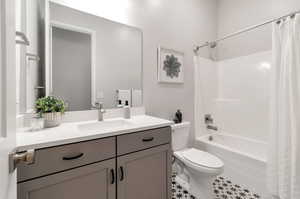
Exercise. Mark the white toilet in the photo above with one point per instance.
(200, 167)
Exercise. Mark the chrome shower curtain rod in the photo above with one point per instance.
(214, 43)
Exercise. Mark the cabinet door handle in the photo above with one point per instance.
(148, 139)
(73, 157)
(121, 173)
(112, 176)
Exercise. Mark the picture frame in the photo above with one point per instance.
(170, 66)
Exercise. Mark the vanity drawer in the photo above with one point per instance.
(55, 159)
(142, 140)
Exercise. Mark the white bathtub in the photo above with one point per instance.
(245, 159)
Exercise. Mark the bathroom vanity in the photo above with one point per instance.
(127, 161)
(84, 158)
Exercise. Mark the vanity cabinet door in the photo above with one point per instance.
(95, 181)
(145, 174)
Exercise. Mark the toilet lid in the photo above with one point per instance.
(202, 158)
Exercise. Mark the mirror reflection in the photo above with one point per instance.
(79, 57)
(94, 59)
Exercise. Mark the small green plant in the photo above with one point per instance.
(49, 104)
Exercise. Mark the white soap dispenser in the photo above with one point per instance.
(127, 113)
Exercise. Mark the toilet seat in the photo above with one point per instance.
(200, 161)
(202, 158)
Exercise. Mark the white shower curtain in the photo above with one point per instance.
(284, 149)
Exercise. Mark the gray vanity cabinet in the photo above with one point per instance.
(145, 174)
(130, 166)
(92, 182)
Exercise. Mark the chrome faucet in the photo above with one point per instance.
(215, 128)
(101, 110)
(208, 120)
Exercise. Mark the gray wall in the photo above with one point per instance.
(176, 24)
(71, 68)
(118, 52)
(179, 25)
(234, 15)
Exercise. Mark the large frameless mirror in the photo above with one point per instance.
(76, 56)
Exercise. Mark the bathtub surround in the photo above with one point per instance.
(242, 105)
(206, 90)
(284, 143)
(236, 93)
(239, 103)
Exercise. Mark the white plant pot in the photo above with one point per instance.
(52, 119)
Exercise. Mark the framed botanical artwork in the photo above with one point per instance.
(170, 66)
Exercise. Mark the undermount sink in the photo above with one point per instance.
(109, 124)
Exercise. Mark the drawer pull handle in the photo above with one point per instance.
(148, 139)
(112, 176)
(121, 173)
(73, 157)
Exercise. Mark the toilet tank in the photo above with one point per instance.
(180, 135)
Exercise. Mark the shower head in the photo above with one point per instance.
(212, 44)
(196, 49)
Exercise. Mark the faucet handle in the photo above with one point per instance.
(208, 119)
(97, 105)
(100, 105)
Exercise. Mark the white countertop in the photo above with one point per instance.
(70, 133)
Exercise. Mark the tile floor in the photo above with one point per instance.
(223, 189)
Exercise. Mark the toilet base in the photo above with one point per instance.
(183, 182)
(200, 178)
(197, 185)
(201, 186)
